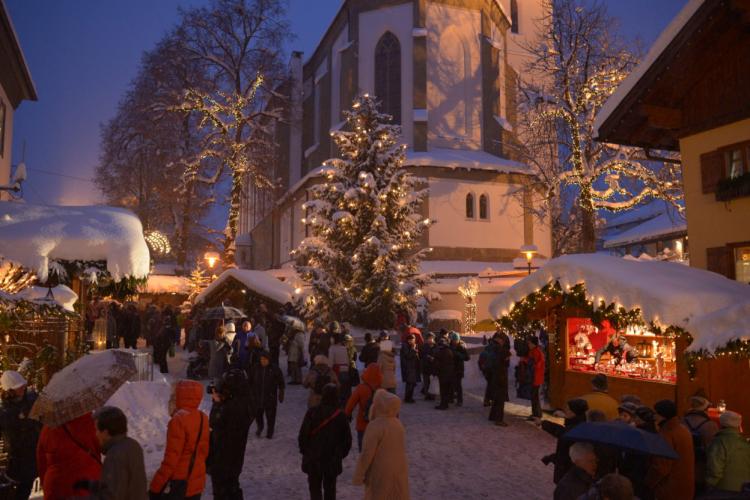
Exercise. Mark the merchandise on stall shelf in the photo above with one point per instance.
(633, 352)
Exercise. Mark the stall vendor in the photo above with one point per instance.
(617, 347)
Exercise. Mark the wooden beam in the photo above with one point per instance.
(661, 117)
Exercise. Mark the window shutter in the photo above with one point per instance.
(721, 260)
(712, 170)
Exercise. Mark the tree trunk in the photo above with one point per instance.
(588, 221)
(230, 232)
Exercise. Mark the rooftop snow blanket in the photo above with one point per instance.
(661, 225)
(33, 235)
(666, 292)
(259, 282)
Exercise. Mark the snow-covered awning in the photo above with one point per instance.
(60, 295)
(260, 282)
(665, 292)
(660, 226)
(34, 235)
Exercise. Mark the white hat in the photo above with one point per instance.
(730, 419)
(12, 380)
(229, 328)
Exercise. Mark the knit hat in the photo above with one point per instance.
(578, 406)
(666, 408)
(629, 408)
(730, 419)
(699, 403)
(600, 383)
(645, 413)
(12, 380)
(383, 335)
(454, 336)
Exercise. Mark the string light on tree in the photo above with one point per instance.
(469, 290)
(158, 243)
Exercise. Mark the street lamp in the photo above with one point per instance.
(211, 259)
(529, 251)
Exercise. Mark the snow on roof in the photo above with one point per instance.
(32, 235)
(463, 267)
(720, 327)
(670, 293)
(160, 283)
(662, 225)
(61, 295)
(463, 158)
(637, 214)
(661, 43)
(446, 314)
(259, 282)
(486, 285)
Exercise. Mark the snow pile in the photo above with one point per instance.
(158, 283)
(61, 295)
(259, 282)
(35, 235)
(446, 314)
(720, 327)
(666, 292)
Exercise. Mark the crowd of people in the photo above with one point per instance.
(344, 384)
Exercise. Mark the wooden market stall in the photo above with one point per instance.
(659, 330)
(246, 289)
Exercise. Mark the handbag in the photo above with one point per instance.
(434, 386)
(176, 489)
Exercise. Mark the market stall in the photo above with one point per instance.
(656, 329)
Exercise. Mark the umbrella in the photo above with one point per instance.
(623, 437)
(223, 313)
(83, 386)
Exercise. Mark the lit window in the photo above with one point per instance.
(742, 264)
(484, 207)
(470, 206)
(388, 75)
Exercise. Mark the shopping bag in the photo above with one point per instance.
(434, 386)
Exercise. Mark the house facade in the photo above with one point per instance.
(15, 86)
(690, 95)
(447, 71)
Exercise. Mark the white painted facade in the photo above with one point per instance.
(373, 25)
(503, 228)
(454, 79)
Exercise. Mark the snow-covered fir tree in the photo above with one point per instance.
(362, 260)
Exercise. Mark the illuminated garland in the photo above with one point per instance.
(157, 242)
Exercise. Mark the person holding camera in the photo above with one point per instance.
(229, 420)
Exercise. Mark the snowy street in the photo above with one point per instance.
(452, 454)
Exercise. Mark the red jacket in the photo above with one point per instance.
(371, 380)
(182, 434)
(538, 357)
(61, 462)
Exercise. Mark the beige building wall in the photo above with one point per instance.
(8, 132)
(712, 223)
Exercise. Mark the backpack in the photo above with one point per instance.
(321, 381)
(698, 446)
(368, 404)
(486, 360)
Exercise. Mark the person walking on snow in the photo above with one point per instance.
(497, 361)
(427, 362)
(324, 441)
(370, 351)
(382, 466)
(362, 398)
(338, 356)
(267, 386)
(445, 369)
(318, 377)
(187, 444)
(387, 363)
(296, 352)
(20, 433)
(410, 367)
(536, 358)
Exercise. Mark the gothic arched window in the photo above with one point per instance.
(470, 206)
(388, 75)
(514, 16)
(484, 205)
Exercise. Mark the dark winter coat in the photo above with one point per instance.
(444, 367)
(319, 344)
(499, 361)
(324, 448)
(20, 436)
(562, 452)
(266, 386)
(229, 421)
(61, 462)
(674, 478)
(369, 353)
(123, 472)
(410, 372)
(460, 356)
(574, 483)
(427, 359)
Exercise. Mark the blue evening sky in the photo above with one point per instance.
(83, 53)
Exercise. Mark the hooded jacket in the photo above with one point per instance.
(382, 466)
(387, 363)
(182, 437)
(371, 380)
(61, 461)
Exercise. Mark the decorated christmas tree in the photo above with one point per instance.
(362, 258)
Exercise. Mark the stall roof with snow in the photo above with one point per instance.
(258, 282)
(165, 284)
(663, 226)
(35, 235)
(665, 292)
